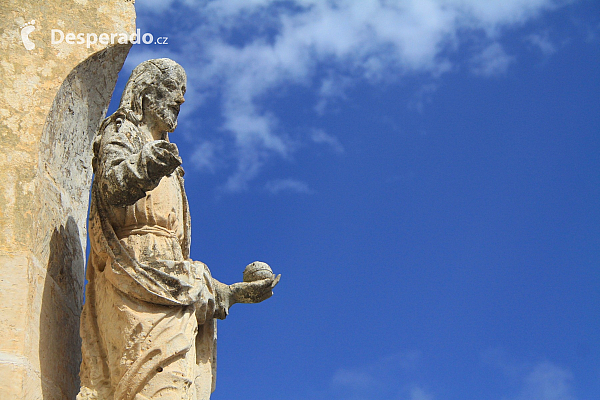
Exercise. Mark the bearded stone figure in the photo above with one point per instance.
(148, 325)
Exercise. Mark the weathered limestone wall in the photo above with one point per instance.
(52, 99)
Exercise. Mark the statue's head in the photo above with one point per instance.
(155, 91)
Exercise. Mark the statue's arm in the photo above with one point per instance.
(223, 299)
(126, 175)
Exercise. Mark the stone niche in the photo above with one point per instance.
(52, 100)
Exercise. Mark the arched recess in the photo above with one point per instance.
(61, 201)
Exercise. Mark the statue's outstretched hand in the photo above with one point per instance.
(161, 158)
(254, 292)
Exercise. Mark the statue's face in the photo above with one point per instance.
(162, 102)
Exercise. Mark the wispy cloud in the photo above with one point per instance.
(353, 379)
(532, 380)
(287, 185)
(422, 97)
(493, 60)
(244, 50)
(542, 41)
(417, 393)
(204, 157)
(386, 378)
(547, 381)
(320, 136)
(408, 376)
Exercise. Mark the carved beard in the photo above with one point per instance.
(167, 115)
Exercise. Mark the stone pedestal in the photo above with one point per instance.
(52, 100)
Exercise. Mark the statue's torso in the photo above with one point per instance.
(154, 226)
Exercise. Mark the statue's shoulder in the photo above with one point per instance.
(118, 134)
(119, 121)
(121, 127)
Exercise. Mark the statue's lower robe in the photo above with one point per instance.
(147, 324)
(143, 350)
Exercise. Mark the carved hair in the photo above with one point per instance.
(142, 78)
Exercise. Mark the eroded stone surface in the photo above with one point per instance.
(52, 99)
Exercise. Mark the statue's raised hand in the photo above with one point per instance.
(161, 158)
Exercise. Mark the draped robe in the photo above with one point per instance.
(147, 326)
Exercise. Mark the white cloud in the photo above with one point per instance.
(547, 382)
(417, 393)
(405, 376)
(387, 377)
(543, 42)
(493, 15)
(287, 185)
(534, 381)
(293, 42)
(320, 136)
(493, 60)
(332, 88)
(204, 156)
(423, 96)
(354, 380)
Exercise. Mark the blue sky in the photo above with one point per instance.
(423, 174)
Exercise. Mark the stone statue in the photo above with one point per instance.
(148, 325)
